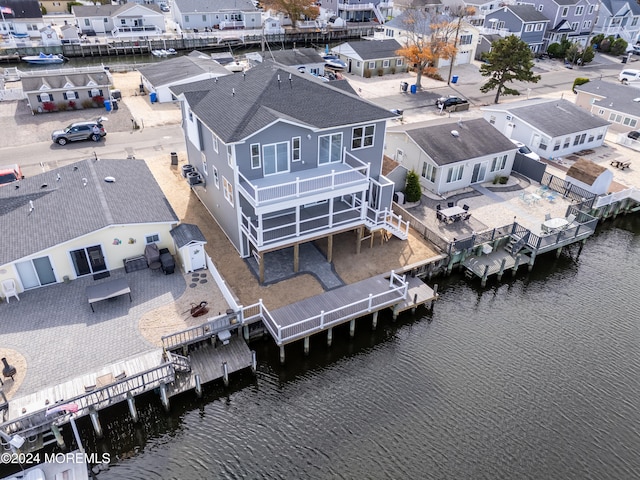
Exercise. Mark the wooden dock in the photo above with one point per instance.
(494, 263)
(419, 293)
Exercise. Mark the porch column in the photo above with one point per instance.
(358, 239)
(296, 257)
(261, 266)
(330, 248)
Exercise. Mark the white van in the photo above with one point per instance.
(629, 75)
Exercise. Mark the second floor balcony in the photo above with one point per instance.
(138, 31)
(356, 7)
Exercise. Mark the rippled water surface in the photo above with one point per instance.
(532, 378)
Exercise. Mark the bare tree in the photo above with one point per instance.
(294, 9)
(460, 12)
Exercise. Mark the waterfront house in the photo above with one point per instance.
(128, 20)
(81, 219)
(550, 128)
(568, 19)
(53, 92)
(356, 11)
(49, 37)
(619, 18)
(590, 176)
(371, 57)
(198, 15)
(159, 77)
(285, 158)
(22, 18)
(614, 102)
(305, 60)
(453, 155)
(523, 21)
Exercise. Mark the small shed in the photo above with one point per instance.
(590, 176)
(189, 242)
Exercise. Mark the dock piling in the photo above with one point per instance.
(374, 321)
(198, 386)
(435, 297)
(329, 336)
(55, 429)
(306, 345)
(225, 374)
(352, 328)
(132, 407)
(95, 421)
(164, 398)
(254, 362)
(282, 354)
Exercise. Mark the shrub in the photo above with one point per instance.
(48, 106)
(72, 104)
(98, 100)
(413, 191)
(87, 103)
(503, 180)
(578, 81)
(366, 73)
(62, 106)
(380, 71)
(619, 46)
(432, 72)
(554, 50)
(597, 40)
(392, 69)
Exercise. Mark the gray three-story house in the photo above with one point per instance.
(286, 159)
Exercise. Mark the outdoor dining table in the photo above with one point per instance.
(104, 291)
(554, 224)
(452, 212)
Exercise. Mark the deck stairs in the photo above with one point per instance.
(516, 244)
(378, 13)
(390, 222)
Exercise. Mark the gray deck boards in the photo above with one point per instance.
(477, 265)
(418, 294)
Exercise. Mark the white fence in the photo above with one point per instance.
(12, 94)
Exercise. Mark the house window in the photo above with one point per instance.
(455, 173)
(216, 179)
(567, 140)
(44, 97)
(204, 18)
(498, 163)
(575, 26)
(428, 172)
(228, 190)
(205, 170)
(539, 27)
(601, 111)
(190, 116)
(215, 144)
(565, 11)
(70, 95)
(371, 65)
(123, 22)
(186, 18)
(634, 22)
(586, 24)
(329, 148)
(230, 155)
(465, 40)
(615, 117)
(579, 9)
(492, 119)
(295, 149)
(357, 64)
(591, 9)
(88, 260)
(556, 146)
(600, 135)
(579, 140)
(255, 155)
(528, 27)
(591, 138)
(540, 7)
(362, 137)
(153, 238)
(543, 143)
(385, 64)
(398, 62)
(105, 20)
(87, 23)
(275, 158)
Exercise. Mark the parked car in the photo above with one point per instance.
(164, 7)
(629, 75)
(634, 135)
(449, 101)
(10, 174)
(526, 151)
(80, 131)
(634, 49)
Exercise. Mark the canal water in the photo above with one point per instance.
(535, 377)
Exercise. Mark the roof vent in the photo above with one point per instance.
(455, 133)
(109, 179)
(44, 185)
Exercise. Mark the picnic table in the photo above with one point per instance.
(621, 164)
(106, 290)
(452, 213)
(554, 224)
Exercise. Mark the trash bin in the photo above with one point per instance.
(114, 104)
(174, 158)
(116, 94)
(414, 88)
(624, 59)
(153, 96)
(404, 86)
(107, 105)
(454, 79)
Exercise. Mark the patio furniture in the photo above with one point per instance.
(465, 207)
(152, 254)
(570, 219)
(104, 291)
(547, 216)
(450, 214)
(450, 204)
(554, 224)
(9, 289)
(168, 263)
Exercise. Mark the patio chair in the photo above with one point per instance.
(152, 254)
(438, 207)
(551, 198)
(547, 216)
(465, 207)
(466, 216)
(570, 219)
(450, 204)
(9, 289)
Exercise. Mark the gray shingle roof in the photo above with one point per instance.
(622, 97)
(557, 117)
(298, 56)
(181, 68)
(614, 6)
(33, 83)
(110, 10)
(476, 138)
(22, 9)
(527, 13)
(200, 6)
(66, 209)
(374, 49)
(239, 105)
(186, 233)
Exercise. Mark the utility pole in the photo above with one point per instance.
(461, 11)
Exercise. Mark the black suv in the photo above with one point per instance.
(445, 102)
(634, 135)
(80, 131)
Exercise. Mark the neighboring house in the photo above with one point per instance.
(590, 176)
(66, 92)
(286, 158)
(619, 18)
(272, 25)
(54, 6)
(22, 17)
(523, 21)
(71, 222)
(485, 44)
(451, 156)
(482, 8)
(128, 20)
(399, 6)
(356, 11)
(551, 128)
(69, 34)
(570, 19)
(221, 14)
(305, 60)
(371, 56)
(467, 37)
(614, 102)
(49, 37)
(159, 77)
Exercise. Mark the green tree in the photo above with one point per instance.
(510, 59)
(588, 55)
(619, 47)
(597, 39)
(413, 190)
(572, 54)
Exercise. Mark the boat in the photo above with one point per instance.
(172, 51)
(44, 59)
(19, 35)
(63, 465)
(157, 53)
(333, 61)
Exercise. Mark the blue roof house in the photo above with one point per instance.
(523, 21)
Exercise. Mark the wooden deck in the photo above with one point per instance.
(419, 293)
(207, 362)
(478, 265)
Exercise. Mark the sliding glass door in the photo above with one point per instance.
(36, 272)
(88, 260)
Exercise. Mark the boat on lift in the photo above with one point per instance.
(45, 59)
(334, 62)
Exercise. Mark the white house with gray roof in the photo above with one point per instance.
(453, 155)
(551, 128)
(285, 158)
(619, 17)
(159, 77)
(72, 221)
(305, 60)
(619, 104)
(128, 20)
(371, 56)
(220, 15)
